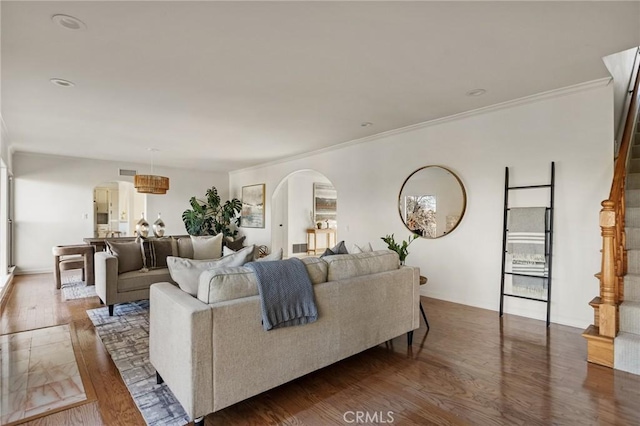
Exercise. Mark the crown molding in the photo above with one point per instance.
(555, 93)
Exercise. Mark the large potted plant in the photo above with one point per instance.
(210, 216)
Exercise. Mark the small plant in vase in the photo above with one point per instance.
(401, 249)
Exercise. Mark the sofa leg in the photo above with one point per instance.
(410, 338)
(111, 310)
(199, 421)
(424, 316)
(159, 379)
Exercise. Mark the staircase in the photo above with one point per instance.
(627, 342)
(613, 340)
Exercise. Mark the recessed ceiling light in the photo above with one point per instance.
(68, 22)
(366, 124)
(62, 83)
(476, 92)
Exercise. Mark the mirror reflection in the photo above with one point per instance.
(432, 201)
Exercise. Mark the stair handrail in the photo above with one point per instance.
(612, 220)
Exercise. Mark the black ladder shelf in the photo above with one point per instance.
(548, 242)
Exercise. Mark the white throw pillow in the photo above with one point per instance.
(361, 249)
(186, 272)
(207, 247)
(276, 255)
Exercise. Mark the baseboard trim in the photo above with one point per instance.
(522, 311)
(34, 271)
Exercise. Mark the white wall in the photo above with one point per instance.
(620, 66)
(53, 194)
(573, 127)
(301, 205)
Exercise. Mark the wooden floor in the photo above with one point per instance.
(470, 368)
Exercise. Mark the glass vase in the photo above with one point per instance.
(158, 227)
(142, 227)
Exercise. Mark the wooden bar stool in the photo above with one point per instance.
(74, 257)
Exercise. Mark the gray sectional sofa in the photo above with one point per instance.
(212, 350)
(113, 286)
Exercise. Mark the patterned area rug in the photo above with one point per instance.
(126, 337)
(74, 288)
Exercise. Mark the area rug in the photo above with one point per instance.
(126, 337)
(77, 289)
(73, 287)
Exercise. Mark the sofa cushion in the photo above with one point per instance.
(155, 252)
(228, 283)
(347, 266)
(207, 247)
(137, 280)
(185, 248)
(186, 272)
(128, 254)
(316, 268)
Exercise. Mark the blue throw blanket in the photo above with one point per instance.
(286, 293)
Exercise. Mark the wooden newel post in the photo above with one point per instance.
(608, 282)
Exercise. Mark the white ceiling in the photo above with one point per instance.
(226, 85)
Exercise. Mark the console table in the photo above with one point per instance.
(101, 243)
(313, 234)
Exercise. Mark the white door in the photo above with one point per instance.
(279, 220)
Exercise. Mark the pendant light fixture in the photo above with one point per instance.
(151, 184)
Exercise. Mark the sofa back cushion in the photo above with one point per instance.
(207, 247)
(128, 253)
(186, 272)
(316, 268)
(185, 248)
(228, 283)
(345, 266)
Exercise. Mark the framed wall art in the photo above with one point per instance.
(325, 202)
(252, 214)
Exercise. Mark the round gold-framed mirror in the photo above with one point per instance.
(432, 201)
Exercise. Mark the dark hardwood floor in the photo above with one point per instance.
(470, 368)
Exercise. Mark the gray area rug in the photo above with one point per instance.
(74, 288)
(126, 337)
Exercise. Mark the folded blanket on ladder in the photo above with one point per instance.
(526, 245)
(286, 293)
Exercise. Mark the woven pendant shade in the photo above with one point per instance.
(151, 184)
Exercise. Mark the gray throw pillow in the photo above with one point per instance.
(186, 272)
(155, 252)
(128, 254)
(234, 244)
(339, 248)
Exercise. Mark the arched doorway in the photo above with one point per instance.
(117, 207)
(299, 202)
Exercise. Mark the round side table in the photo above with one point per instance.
(423, 281)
